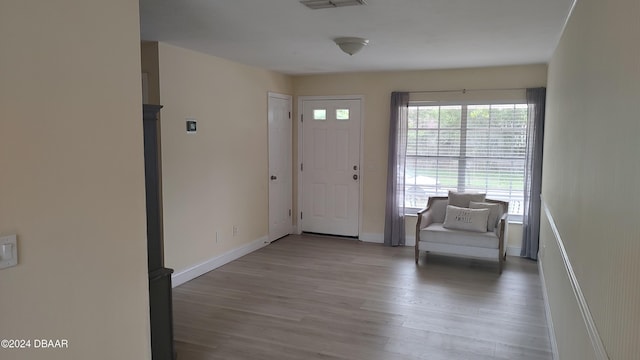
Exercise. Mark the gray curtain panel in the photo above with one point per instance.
(533, 173)
(394, 212)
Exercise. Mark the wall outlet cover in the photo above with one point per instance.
(8, 251)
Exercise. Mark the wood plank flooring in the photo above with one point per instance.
(308, 297)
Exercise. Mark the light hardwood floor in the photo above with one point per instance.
(307, 297)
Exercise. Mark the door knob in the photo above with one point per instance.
(355, 176)
(273, 177)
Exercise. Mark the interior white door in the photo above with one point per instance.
(331, 166)
(280, 166)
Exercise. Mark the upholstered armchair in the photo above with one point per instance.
(463, 225)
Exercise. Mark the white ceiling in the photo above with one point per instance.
(286, 36)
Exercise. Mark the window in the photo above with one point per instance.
(466, 147)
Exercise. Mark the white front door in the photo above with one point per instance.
(331, 166)
(280, 166)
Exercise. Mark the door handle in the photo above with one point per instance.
(355, 176)
(273, 177)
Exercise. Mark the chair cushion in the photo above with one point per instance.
(494, 212)
(436, 233)
(459, 218)
(462, 199)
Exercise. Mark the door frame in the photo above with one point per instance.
(299, 157)
(290, 99)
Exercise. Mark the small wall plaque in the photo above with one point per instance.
(191, 126)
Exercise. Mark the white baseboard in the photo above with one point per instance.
(193, 272)
(410, 240)
(513, 250)
(547, 308)
(372, 238)
(592, 330)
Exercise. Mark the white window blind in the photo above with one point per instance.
(466, 147)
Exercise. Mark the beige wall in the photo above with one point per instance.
(72, 179)
(591, 175)
(216, 178)
(376, 88)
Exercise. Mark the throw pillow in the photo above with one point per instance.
(461, 199)
(459, 218)
(494, 212)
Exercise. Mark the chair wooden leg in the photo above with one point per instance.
(417, 254)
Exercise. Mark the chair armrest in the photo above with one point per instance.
(501, 232)
(421, 212)
(424, 220)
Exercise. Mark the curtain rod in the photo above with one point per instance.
(464, 91)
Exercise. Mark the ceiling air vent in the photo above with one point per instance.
(324, 4)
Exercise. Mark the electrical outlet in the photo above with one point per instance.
(235, 230)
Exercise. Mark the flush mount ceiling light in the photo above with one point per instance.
(351, 45)
(324, 4)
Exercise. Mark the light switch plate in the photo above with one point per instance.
(8, 251)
